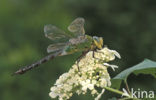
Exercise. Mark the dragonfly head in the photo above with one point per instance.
(98, 42)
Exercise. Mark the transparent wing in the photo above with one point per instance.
(54, 33)
(56, 47)
(77, 26)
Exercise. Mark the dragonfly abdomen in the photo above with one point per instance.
(36, 64)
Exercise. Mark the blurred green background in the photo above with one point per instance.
(126, 26)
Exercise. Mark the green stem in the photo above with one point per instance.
(114, 90)
(119, 92)
(127, 86)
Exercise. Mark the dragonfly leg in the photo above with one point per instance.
(80, 57)
(95, 50)
(78, 65)
(94, 53)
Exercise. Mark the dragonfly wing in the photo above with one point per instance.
(54, 33)
(56, 47)
(77, 26)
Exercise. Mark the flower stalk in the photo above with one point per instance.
(114, 90)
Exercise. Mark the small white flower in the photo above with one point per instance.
(116, 53)
(99, 96)
(91, 86)
(53, 95)
(112, 66)
(94, 92)
(86, 84)
(94, 81)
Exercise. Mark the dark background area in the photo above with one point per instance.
(126, 26)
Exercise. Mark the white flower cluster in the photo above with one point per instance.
(92, 74)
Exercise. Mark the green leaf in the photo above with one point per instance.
(145, 67)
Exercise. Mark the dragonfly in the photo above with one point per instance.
(66, 43)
